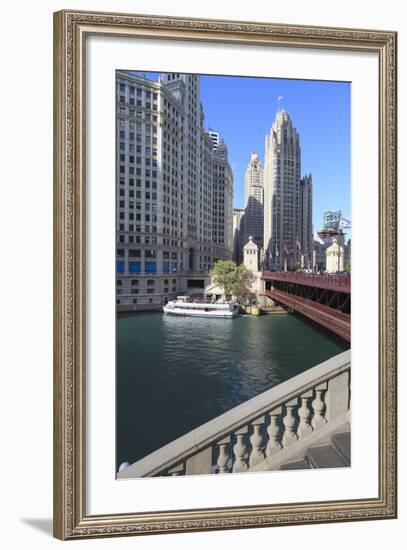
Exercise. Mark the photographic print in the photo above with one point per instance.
(233, 274)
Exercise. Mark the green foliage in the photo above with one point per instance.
(233, 279)
(242, 289)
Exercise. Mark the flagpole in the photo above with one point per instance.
(339, 241)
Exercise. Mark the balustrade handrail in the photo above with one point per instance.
(343, 280)
(234, 419)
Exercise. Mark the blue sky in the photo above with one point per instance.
(242, 110)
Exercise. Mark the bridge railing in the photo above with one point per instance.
(258, 429)
(325, 279)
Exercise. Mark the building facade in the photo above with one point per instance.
(252, 262)
(335, 256)
(254, 197)
(222, 203)
(305, 221)
(238, 243)
(214, 137)
(331, 219)
(164, 206)
(282, 169)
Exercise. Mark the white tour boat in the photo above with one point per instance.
(184, 306)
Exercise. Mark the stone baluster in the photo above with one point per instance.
(256, 439)
(318, 405)
(274, 433)
(240, 450)
(305, 415)
(290, 423)
(223, 456)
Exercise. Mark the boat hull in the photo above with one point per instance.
(189, 313)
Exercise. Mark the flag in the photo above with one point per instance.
(286, 251)
(298, 245)
(270, 255)
(345, 223)
(280, 97)
(318, 238)
(277, 252)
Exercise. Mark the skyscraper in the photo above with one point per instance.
(253, 217)
(164, 206)
(287, 228)
(237, 255)
(305, 220)
(222, 203)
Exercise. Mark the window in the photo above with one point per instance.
(119, 267)
(174, 267)
(135, 253)
(166, 267)
(150, 253)
(134, 267)
(150, 267)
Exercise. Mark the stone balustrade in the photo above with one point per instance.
(254, 434)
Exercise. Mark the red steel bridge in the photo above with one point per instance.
(323, 298)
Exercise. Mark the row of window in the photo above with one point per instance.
(147, 183)
(131, 171)
(149, 267)
(148, 253)
(138, 91)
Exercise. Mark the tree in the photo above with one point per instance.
(224, 273)
(233, 279)
(242, 288)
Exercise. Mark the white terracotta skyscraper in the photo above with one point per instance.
(282, 180)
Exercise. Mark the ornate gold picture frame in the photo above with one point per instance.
(72, 519)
